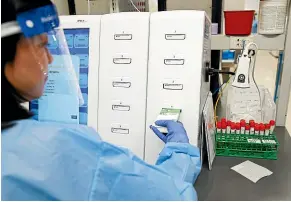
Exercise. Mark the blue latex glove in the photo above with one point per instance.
(176, 131)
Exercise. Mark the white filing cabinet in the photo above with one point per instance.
(179, 51)
(123, 79)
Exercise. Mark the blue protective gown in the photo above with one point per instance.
(50, 161)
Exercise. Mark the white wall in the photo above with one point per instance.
(103, 6)
(229, 5)
(62, 6)
(153, 5)
(205, 5)
(97, 7)
(241, 4)
(288, 122)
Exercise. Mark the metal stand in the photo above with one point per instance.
(285, 81)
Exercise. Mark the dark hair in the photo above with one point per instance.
(11, 108)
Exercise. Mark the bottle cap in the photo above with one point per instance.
(223, 120)
(248, 127)
(223, 125)
(272, 122)
(262, 127)
(252, 123)
(257, 127)
(243, 123)
(233, 126)
(237, 126)
(267, 126)
(218, 125)
(228, 123)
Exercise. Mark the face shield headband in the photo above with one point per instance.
(40, 26)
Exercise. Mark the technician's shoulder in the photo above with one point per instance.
(48, 161)
(47, 130)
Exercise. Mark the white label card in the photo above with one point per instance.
(120, 84)
(174, 61)
(122, 60)
(173, 86)
(175, 36)
(123, 36)
(257, 141)
(120, 130)
(269, 141)
(121, 107)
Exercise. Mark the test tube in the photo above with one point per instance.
(247, 129)
(242, 126)
(233, 128)
(223, 127)
(237, 127)
(218, 127)
(252, 127)
(262, 129)
(272, 124)
(223, 120)
(228, 127)
(257, 129)
(267, 129)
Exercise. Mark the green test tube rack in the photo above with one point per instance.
(247, 146)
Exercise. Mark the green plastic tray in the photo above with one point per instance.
(247, 146)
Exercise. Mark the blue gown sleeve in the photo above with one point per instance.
(57, 163)
(171, 178)
(181, 161)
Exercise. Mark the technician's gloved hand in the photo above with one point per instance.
(176, 131)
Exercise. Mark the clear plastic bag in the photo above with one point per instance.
(250, 104)
(269, 106)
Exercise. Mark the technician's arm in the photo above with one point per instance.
(171, 178)
(180, 159)
(127, 177)
(73, 163)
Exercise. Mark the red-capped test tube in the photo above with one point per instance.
(267, 129)
(237, 127)
(228, 127)
(257, 129)
(252, 127)
(223, 120)
(247, 129)
(232, 128)
(262, 129)
(218, 127)
(272, 124)
(242, 126)
(223, 127)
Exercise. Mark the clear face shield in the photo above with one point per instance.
(63, 70)
(53, 72)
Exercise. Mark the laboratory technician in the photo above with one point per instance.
(51, 161)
